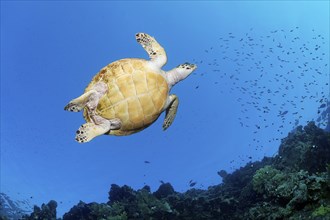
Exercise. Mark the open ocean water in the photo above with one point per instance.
(263, 71)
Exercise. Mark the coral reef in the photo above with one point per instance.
(47, 211)
(304, 149)
(321, 211)
(294, 184)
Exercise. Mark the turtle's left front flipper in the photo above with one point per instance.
(156, 52)
(171, 109)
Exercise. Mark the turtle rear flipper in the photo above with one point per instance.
(89, 130)
(89, 99)
(78, 104)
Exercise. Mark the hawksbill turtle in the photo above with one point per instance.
(128, 95)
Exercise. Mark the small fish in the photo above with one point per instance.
(192, 184)
(283, 113)
(146, 161)
(323, 105)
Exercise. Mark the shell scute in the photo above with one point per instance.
(115, 94)
(135, 111)
(121, 111)
(152, 81)
(140, 82)
(137, 64)
(127, 67)
(159, 103)
(147, 105)
(126, 85)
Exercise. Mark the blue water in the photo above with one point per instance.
(263, 68)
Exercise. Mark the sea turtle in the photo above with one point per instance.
(128, 95)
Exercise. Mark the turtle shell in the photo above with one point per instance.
(136, 95)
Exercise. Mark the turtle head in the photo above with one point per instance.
(187, 67)
(184, 70)
(180, 72)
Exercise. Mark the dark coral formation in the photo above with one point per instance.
(292, 185)
(47, 211)
(304, 149)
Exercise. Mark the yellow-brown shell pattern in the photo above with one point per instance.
(136, 95)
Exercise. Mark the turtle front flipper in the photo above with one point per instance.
(156, 52)
(90, 130)
(171, 108)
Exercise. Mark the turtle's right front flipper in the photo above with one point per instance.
(171, 109)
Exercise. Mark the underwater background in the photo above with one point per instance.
(263, 70)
